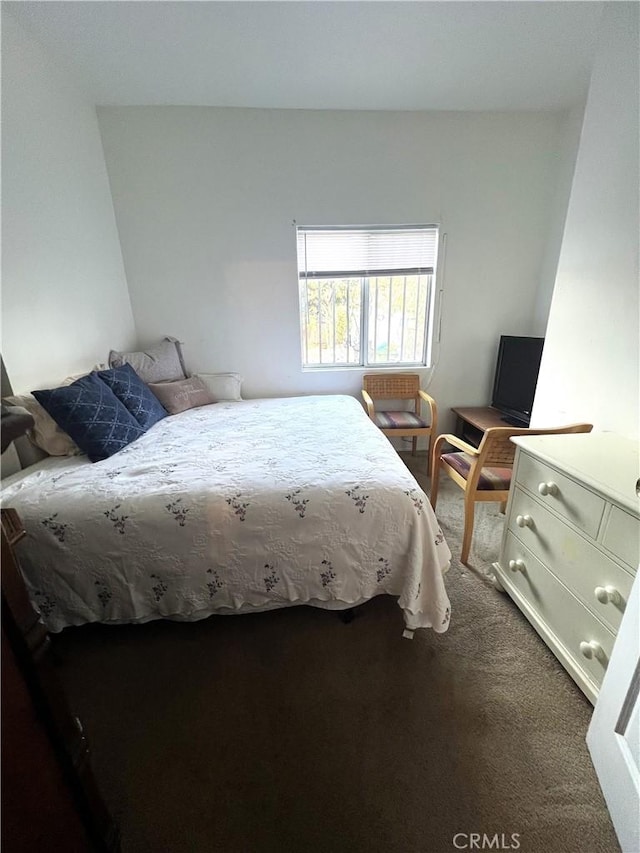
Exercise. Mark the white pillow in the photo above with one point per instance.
(223, 386)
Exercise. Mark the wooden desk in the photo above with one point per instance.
(471, 422)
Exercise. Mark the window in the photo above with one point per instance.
(367, 295)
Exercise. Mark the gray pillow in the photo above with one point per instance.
(161, 363)
(182, 395)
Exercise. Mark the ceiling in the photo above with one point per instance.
(324, 55)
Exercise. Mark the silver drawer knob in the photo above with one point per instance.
(592, 650)
(607, 595)
(548, 488)
(524, 521)
(517, 565)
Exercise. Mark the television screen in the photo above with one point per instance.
(516, 376)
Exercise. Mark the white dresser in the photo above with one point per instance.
(571, 544)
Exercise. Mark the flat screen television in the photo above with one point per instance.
(516, 376)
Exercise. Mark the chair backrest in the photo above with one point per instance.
(392, 386)
(497, 449)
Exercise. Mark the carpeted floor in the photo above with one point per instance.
(290, 731)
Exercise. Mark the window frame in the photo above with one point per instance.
(430, 319)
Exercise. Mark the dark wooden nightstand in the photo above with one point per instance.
(50, 800)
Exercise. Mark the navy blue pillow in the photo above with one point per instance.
(137, 397)
(92, 415)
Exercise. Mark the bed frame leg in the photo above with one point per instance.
(347, 615)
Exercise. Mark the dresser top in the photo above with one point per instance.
(604, 461)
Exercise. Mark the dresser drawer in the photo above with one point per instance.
(571, 500)
(558, 610)
(622, 537)
(576, 562)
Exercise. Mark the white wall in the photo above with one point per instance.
(568, 142)
(205, 198)
(64, 294)
(590, 364)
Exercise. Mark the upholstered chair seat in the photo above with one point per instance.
(399, 420)
(490, 477)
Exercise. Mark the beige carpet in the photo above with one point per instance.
(290, 731)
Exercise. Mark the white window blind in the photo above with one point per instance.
(350, 252)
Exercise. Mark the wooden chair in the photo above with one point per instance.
(483, 472)
(400, 386)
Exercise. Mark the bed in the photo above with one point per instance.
(230, 508)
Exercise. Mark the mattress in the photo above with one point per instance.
(230, 508)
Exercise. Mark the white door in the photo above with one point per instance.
(613, 737)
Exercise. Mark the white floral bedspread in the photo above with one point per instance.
(234, 506)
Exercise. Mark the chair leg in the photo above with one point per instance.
(429, 456)
(435, 477)
(503, 507)
(469, 512)
(414, 445)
